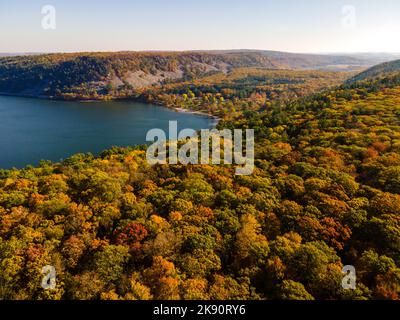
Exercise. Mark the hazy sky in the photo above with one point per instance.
(288, 25)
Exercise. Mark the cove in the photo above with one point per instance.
(35, 129)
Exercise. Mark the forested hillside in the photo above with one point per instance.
(242, 89)
(379, 71)
(108, 75)
(325, 193)
(319, 61)
(98, 73)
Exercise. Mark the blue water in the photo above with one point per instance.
(33, 129)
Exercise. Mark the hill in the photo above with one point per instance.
(241, 89)
(327, 62)
(15, 54)
(300, 61)
(380, 71)
(95, 74)
(51, 74)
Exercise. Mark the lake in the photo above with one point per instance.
(35, 129)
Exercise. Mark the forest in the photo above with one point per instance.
(116, 75)
(325, 193)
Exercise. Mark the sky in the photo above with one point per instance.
(284, 25)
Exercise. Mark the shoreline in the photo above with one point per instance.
(200, 113)
(52, 98)
(211, 119)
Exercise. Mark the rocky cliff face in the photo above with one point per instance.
(50, 74)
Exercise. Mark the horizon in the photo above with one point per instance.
(206, 50)
(337, 27)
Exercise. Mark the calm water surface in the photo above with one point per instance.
(34, 129)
